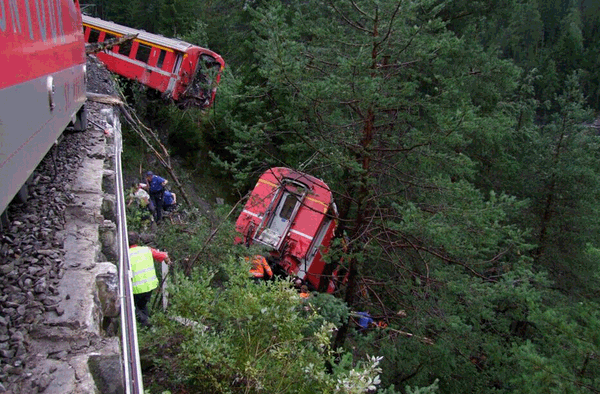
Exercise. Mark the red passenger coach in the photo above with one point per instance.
(294, 214)
(42, 84)
(184, 72)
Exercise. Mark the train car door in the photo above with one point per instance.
(177, 64)
(281, 219)
(312, 266)
(315, 246)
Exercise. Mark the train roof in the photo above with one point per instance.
(172, 43)
(279, 173)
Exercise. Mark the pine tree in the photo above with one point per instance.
(525, 35)
(456, 190)
(569, 48)
(396, 113)
(564, 178)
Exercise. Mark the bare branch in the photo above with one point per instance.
(106, 45)
(389, 30)
(348, 21)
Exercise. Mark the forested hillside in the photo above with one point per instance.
(457, 138)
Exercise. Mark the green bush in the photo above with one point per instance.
(231, 335)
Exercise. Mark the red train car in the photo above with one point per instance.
(42, 84)
(293, 214)
(186, 73)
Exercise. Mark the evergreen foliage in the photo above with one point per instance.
(226, 334)
(455, 136)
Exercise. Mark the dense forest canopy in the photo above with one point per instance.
(457, 138)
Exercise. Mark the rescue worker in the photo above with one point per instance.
(156, 188)
(261, 270)
(381, 324)
(301, 287)
(304, 293)
(144, 280)
(142, 197)
(365, 321)
(297, 282)
(169, 201)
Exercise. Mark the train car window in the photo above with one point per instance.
(143, 53)
(109, 36)
(125, 48)
(161, 58)
(288, 206)
(210, 68)
(94, 35)
(209, 61)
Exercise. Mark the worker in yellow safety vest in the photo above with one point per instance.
(144, 280)
(261, 270)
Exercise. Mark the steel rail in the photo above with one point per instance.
(132, 372)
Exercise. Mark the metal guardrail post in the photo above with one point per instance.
(165, 293)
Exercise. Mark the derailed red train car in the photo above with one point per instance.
(42, 84)
(187, 73)
(294, 214)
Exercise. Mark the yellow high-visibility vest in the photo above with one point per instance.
(142, 269)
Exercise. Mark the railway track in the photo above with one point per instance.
(64, 299)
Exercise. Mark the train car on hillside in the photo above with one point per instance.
(42, 85)
(186, 73)
(294, 215)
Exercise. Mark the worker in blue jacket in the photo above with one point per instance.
(156, 189)
(169, 200)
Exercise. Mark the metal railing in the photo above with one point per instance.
(132, 373)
